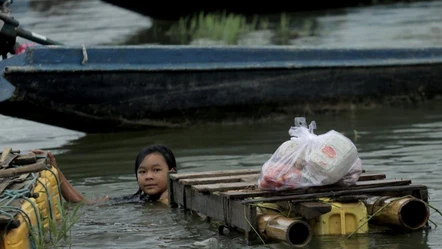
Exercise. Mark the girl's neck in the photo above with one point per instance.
(164, 198)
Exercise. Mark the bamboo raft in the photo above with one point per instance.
(231, 198)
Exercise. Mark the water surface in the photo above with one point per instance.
(400, 142)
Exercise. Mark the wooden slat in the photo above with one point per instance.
(254, 177)
(7, 160)
(394, 191)
(25, 159)
(379, 183)
(220, 179)
(5, 153)
(371, 176)
(224, 186)
(231, 175)
(215, 173)
(305, 190)
(310, 210)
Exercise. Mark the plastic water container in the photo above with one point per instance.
(18, 238)
(343, 219)
(43, 189)
(52, 176)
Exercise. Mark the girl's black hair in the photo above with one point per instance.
(168, 155)
(156, 148)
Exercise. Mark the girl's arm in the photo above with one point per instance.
(69, 193)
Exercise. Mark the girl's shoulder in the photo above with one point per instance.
(134, 198)
(126, 199)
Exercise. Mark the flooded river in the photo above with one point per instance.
(400, 142)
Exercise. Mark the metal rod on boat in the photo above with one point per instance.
(295, 232)
(407, 213)
(10, 28)
(36, 37)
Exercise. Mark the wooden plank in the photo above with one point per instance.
(6, 152)
(306, 190)
(384, 182)
(206, 188)
(394, 191)
(371, 176)
(221, 179)
(310, 210)
(216, 173)
(7, 160)
(255, 170)
(25, 159)
(255, 177)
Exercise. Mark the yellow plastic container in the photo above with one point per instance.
(18, 238)
(343, 219)
(43, 189)
(55, 201)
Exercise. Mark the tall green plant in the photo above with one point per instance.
(62, 231)
(220, 27)
(58, 234)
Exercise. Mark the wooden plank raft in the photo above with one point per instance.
(229, 196)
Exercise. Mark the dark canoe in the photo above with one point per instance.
(100, 89)
(166, 11)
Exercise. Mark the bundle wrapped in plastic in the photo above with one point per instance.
(308, 159)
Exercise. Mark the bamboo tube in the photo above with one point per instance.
(406, 213)
(277, 227)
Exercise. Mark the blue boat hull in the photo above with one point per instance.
(102, 89)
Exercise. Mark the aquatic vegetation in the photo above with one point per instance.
(60, 232)
(228, 28)
(61, 220)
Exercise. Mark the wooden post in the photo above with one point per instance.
(250, 215)
(171, 196)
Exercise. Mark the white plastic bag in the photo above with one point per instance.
(308, 159)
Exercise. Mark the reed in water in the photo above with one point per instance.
(227, 28)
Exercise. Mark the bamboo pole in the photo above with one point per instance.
(406, 213)
(36, 167)
(277, 227)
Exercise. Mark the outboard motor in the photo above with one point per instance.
(9, 30)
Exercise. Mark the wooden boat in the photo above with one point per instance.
(99, 89)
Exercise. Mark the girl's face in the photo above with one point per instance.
(152, 174)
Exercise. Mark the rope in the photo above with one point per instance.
(6, 209)
(11, 209)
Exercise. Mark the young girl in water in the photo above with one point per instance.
(152, 166)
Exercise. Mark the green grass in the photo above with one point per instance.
(227, 28)
(58, 234)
